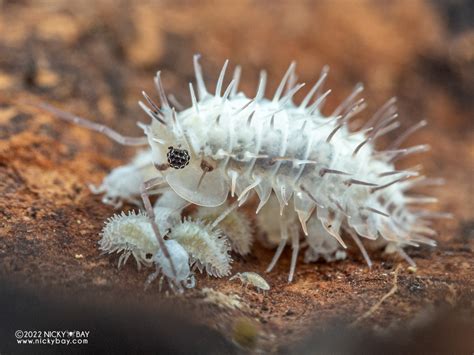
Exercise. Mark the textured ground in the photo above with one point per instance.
(95, 60)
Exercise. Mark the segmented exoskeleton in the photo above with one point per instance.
(229, 144)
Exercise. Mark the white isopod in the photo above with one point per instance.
(129, 234)
(252, 278)
(229, 143)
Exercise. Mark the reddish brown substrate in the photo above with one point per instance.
(92, 65)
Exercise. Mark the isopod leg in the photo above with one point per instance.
(281, 246)
(295, 245)
(361, 248)
(168, 210)
(96, 189)
(152, 277)
(144, 189)
(225, 213)
(160, 284)
(405, 256)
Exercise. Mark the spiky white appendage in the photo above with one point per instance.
(236, 227)
(129, 234)
(207, 247)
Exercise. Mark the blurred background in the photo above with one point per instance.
(94, 58)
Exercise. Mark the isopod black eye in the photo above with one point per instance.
(177, 158)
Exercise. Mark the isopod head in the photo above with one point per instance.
(123, 182)
(180, 260)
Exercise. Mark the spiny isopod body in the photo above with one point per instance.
(242, 146)
(274, 146)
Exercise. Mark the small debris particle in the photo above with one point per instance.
(289, 312)
(221, 299)
(99, 281)
(416, 287)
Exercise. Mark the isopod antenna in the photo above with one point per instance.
(109, 132)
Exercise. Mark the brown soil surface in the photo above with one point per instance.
(94, 60)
